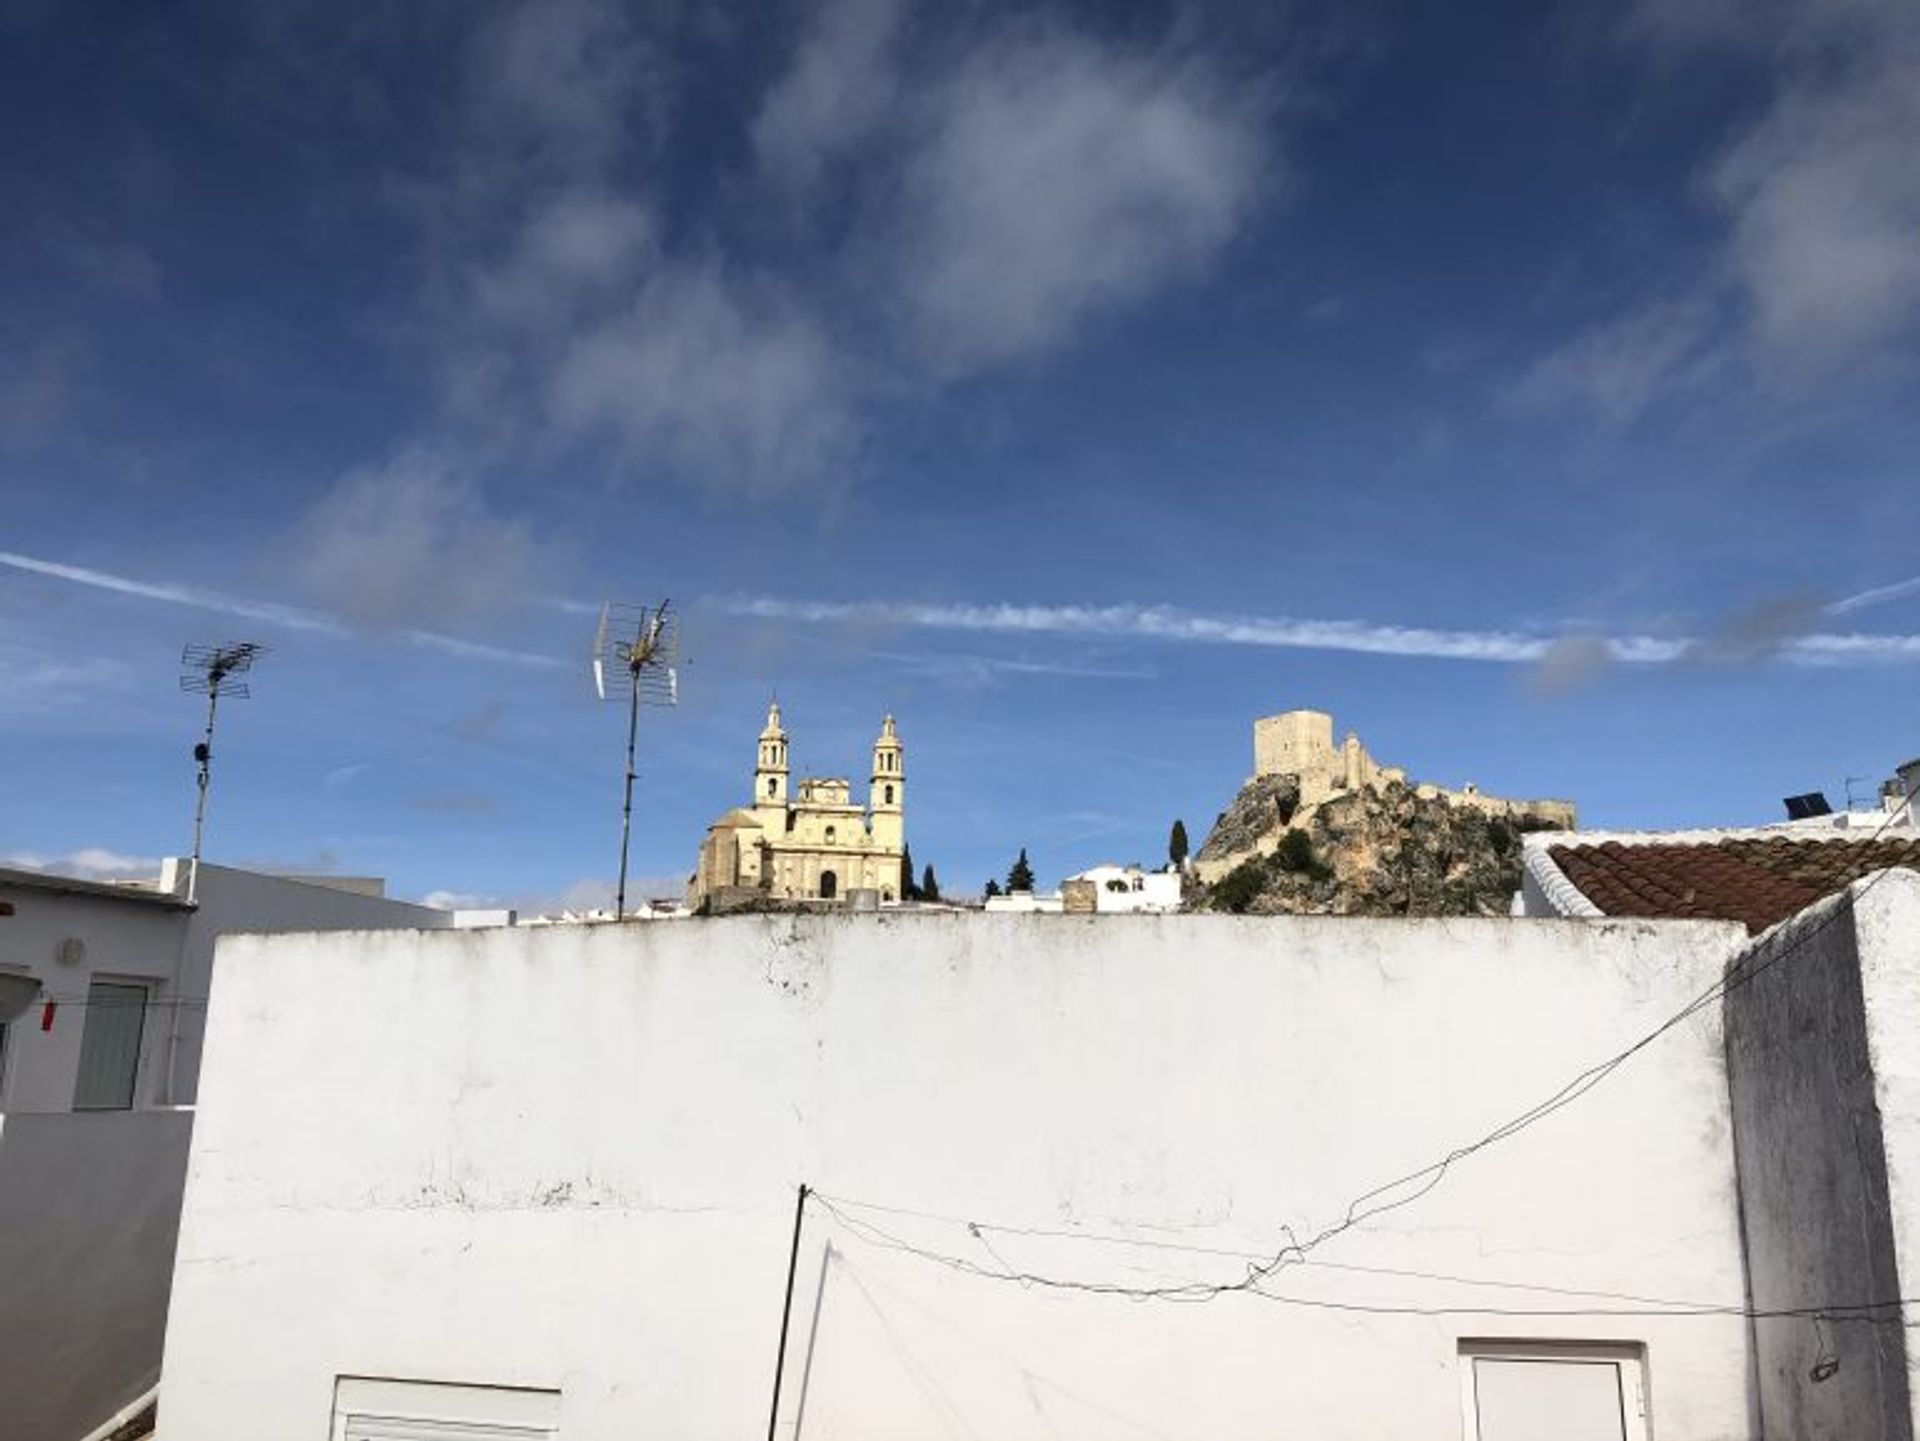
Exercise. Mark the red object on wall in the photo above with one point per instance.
(46, 1015)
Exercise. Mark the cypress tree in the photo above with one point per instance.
(1020, 878)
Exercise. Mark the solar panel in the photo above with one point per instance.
(1806, 807)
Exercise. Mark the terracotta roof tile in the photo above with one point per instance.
(1758, 881)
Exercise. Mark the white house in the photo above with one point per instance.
(1129, 889)
(1195, 1175)
(99, 1065)
(1117, 890)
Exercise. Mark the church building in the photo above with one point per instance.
(817, 845)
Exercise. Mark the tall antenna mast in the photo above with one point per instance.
(209, 670)
(634, 659)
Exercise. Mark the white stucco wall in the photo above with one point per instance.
(1826, 1096)
(235, 902)
(567, 1159)
(89, 1205)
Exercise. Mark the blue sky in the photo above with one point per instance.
(1534, 387)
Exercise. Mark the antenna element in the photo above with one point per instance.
(209, 670)
(635, 656)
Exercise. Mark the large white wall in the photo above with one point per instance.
(237, 902)
(567, 1159)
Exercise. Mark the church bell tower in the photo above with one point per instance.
(770, 773)
(887, 799)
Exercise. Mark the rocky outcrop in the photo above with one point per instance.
(1381, 850)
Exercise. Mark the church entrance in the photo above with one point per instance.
(829, 885)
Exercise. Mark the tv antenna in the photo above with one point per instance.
(1851, 782)
(634, 659)
(209, 670)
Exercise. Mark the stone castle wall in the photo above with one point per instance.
(1300, 743)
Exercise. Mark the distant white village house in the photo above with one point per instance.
(1102, 890)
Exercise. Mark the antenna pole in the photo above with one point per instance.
(646, 670)
(203, 754)
(626, 805)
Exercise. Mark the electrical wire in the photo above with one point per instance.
(1229, 1253)
(1410, 1187)
(1870, 1311)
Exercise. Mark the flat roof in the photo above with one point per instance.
(74, 886)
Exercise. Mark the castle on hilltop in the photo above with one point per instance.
(818, 846)
(1299, 743)
(1297, 769)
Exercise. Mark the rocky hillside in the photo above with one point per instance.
(1371, 852)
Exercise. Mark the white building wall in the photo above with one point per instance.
(1141, 890)
(121, 939)
(566, 1159)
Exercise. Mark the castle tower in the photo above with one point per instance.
(770, 774)
(887, 800)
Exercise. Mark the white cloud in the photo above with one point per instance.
(1622, 366)
(412, 542)
(91, 863)
(1056, 179)
(842, 84)
(735, 385)
(1820, 191)
(575, 249)
(271, 612)
(998, 188)
(1172, 624)
(558, 78)
(1823, 197)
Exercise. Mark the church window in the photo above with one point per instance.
(772, 785)
(889, 800)
(829, 885)
(829, 835)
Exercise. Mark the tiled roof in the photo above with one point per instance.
(1759, 881)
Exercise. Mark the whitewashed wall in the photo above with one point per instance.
(237, 902)
(567, 1159)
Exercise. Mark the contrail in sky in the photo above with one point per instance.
(1169, 623)
(1879, 595)
(313, 622)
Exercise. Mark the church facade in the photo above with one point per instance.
(813, 843)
